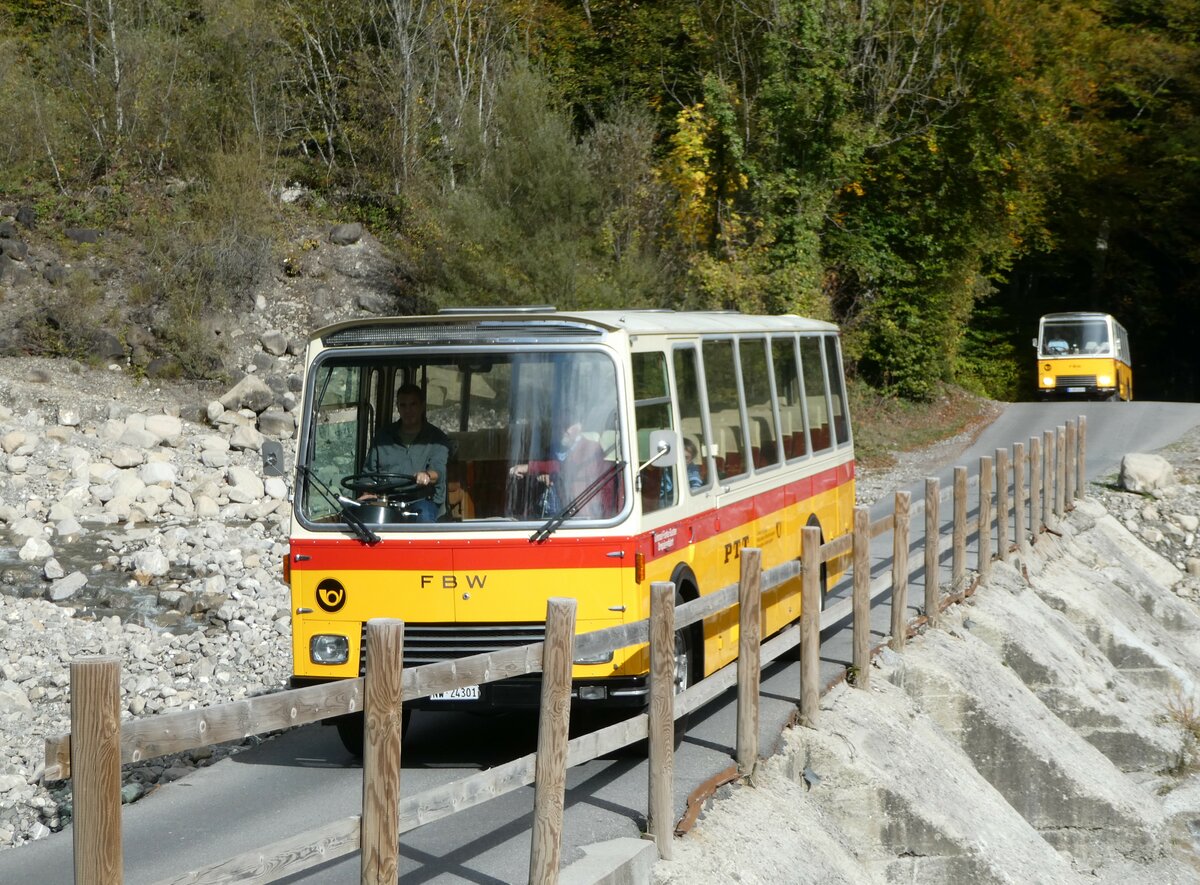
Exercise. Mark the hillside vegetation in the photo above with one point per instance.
(930, 174)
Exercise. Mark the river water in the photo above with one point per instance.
(110, 589)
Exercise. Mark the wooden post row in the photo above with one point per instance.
(1060, 470)
(1019, 526)
(1002, 504)
(1081, 460)
(810, 625)
(1047, 477)
(1069, 489)
(900, 571)
(379, 835)
(1035, 485)
(932, 532)
(862, 596)
(958, 569)
(660, 740)
(96, 770)
(749, 658)
(985, 517)
(550, 765)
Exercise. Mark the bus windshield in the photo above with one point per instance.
(1061, 338)
(526, 433)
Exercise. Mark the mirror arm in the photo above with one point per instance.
(663, 449)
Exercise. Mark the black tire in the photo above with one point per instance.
(687, 666)
(351, 730)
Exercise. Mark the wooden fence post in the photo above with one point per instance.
(96, 770)
(379, 834)
(933, 502)
(862, 596)
(985, 517)
(550, 765)
(660, 741)
(1060, 470)
(958, 570)
(749, 658)
(1002, 504)
(810, 625)
(1019, 527)
(900, 570)
(1035, 486)
(1047, 477)
(1081, 460)
(1070, 466)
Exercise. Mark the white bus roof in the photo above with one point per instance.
(634, 322)
(1075, 315)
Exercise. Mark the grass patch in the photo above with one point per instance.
(883, 425)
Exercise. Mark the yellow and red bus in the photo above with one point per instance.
(707, 432)
(1083, 355)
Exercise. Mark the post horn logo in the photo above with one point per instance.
(331, 595)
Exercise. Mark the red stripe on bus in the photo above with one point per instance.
(393, 553)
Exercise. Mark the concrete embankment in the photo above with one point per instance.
(1044, 732)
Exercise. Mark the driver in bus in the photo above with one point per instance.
(413, 447)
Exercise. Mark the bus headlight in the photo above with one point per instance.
(595, 659)
(329, 648)
(1104, 381)
(1047, 381)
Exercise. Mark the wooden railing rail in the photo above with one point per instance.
(100, 743)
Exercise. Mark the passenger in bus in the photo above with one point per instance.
(574, 464)
(414, 447)
(695, 480)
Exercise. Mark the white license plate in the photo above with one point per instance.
(463, 693)
(1075, 390)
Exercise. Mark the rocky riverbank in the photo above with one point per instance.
(135, 521)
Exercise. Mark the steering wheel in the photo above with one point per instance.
(375, 483)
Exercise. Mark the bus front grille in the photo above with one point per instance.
(1076, 380)
(428, 643)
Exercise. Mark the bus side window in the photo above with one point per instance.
(721, 378)
(760, 413)
(791, 397)
(687, 389)
(652, 411)
(813, 367)
(837, 393)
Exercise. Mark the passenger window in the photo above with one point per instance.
(812, 366)
(760, 412)
(720, 375)
(837, 393)
(691, 410)
(791, 401)
(652, 411)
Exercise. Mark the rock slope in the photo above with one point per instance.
(1047, 731)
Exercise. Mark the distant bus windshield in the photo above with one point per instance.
(1076, 336)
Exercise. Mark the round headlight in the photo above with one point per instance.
(329, 648)
(1104, 380)
(1047, 381)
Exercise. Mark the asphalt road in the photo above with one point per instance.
(303, 778)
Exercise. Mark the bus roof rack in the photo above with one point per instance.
(523, 308)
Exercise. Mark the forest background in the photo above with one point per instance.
(931, 175)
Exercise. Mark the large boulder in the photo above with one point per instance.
(1145, 473)
(249, 393)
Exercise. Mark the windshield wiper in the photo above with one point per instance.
(576, 503)
(356, 524)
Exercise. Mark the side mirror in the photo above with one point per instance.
(1035, 343)
(663, 446)
(272, 458)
